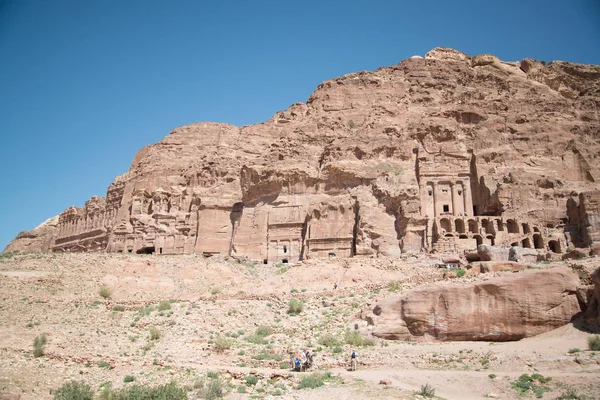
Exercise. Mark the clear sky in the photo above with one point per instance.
(85, 84)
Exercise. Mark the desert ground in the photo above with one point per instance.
(223, 317)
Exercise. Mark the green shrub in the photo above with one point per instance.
(128, 378)
(426, 391)
(460, 273)
(74, 390)
(350, 124)
(164, 305)
(241, 389)
(295, 307)
(594, 343)
(118, 308)
(141, 392)
(526, 384)
(394, 286)
(336, 350)
(314, 380)
(256, 339)
(154, 333)
(105, 292)
(328, 341)
(354, 338)
(574, 350)
(492, 376)
(105, 365)
(215, 291)
(221, 343)
(263, 331)
(251, 380)
(39, 344)
(284, 365)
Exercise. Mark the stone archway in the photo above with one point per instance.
(446, 224)
(472, 226)
(459, 225)
(538, 243)
(512, 226)
(554, 246)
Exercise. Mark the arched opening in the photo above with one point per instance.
(472, 226)
(285, 261)
(463, 237)
(499, 225)
(515, 244)
(536, 229)
(446, 224)
(449, 235)
(526, 243)
(150, 209)
(554, 246)
(487, 226)
(146, 250)
(538, 243)
(265, 261)
(526, 228)
(331, 254)
(284, 249)
(512, 226)
(491, 239)
(160, 250)
(460, 225)
(478, 239)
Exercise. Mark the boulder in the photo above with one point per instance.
(500, 309)
(576, 254)
(521, 254)
(492, 253)
(497, 266)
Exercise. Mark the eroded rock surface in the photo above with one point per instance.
(441, 153)
(504, 308)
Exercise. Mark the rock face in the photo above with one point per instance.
(592, 313)
(500, 309)
(441, 153)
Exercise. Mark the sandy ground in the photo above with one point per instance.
(58, 294)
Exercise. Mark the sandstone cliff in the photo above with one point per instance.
(441, 153)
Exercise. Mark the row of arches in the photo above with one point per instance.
(485, 226)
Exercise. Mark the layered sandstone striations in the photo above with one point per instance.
(441, 153)
(504, 308)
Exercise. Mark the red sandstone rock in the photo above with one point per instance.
(592, 313)
(500, 309)
(441, 153)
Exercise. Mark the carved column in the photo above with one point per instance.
(454, 195)
(436, 189)
(468, 198)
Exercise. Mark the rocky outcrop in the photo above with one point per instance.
(505, 308)
(442, 153)
(592, 313)
(41, 238)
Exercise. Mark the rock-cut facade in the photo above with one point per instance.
(439, 153)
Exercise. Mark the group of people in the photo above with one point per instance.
(302, 360)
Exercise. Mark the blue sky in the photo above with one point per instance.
(86, 84)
